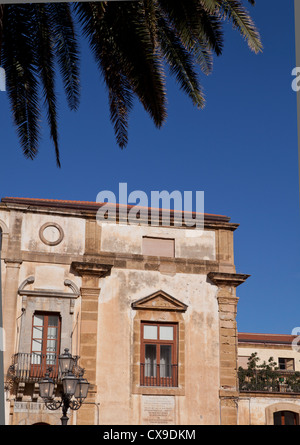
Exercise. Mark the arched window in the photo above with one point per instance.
(286, 418)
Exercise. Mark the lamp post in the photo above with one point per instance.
(74, 389)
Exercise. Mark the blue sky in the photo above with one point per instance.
(241, 150)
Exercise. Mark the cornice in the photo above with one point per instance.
(48, 292)
(91, 269)
(89, 210)
(227, 279)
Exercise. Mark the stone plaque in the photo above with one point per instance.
(25, 407)
(158, 410)
(34, 407)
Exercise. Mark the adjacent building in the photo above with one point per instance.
(270, 392)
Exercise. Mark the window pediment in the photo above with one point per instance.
(161, 301)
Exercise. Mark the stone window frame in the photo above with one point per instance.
(284, 361)
(159, 315)
(46, 316)
(4, 237)
(158, 343)
(281, 406)
(46, 300)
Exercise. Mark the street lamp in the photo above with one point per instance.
(66, 362)
(47, 386)
(74, 389)
(81, 388)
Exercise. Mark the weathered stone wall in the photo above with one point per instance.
(258, 410)
(97, 279)
(199, 398)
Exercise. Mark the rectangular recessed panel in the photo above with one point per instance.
(158, 247)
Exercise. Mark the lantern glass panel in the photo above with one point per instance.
(46, 388)
(82, 389)
(69, 385)
(66, 362)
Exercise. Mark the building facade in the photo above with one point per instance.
(269, 393)
(150, 312)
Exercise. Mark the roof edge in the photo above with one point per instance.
(251, 337)
(94, 206)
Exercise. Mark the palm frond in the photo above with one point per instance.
(121, 39)
(2, 8)
(18, 60)
(180, 62)
(66, 49)
(130, 41)
(145, 72)
(197, 28)
(45, 65)
(241, 20)
(109, 63)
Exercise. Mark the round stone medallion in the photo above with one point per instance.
(51, 234)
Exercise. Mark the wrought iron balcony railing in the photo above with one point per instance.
(159, 375)
(31, 367)
(269, 381)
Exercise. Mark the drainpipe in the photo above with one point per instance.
(2, 404)
(97, 406)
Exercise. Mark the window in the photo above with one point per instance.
(158, 354)
(286, 418)
(45, 342)
(158, 247)
(286, 364)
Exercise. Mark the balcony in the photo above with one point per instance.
(159, 375)
(269, 381)
(31, 367)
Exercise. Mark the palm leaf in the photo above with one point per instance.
(45, 65)
(180, 62)
(121, 43)
(198, 30)
(234, 11)
(143, 66)
(130, 42)
(18, 60)
(66, 50)
(241, 20)
(110, 66)
(1, 27)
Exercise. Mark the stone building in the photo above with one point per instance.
(150, 312)
(269, 397)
